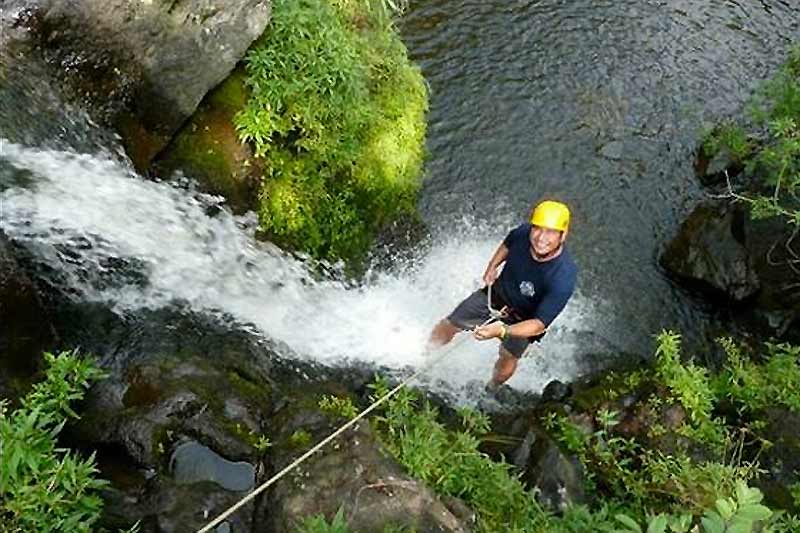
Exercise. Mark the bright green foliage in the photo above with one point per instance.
(751, 386)
(43, 487)
(318, 524)
(740, 513)
(338, 407)
(300, 438)
(794, 489)
(338, 113)
(450, 463)
(691, 387)
(776, 108)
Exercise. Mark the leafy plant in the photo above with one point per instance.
(300, 438)
(449, 461)
(339, 407)
(753, 386)
(691, 387)
(318, 524)
(44, 487)
(337, 112)
(775, 108)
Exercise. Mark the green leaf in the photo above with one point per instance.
(745, 494)
(712, 523)
(754, 512)
(726, 508)
(628, 522)
(680, 523)
(658, 524)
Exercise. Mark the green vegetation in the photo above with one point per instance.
(775, 159)
(690, 477)
(300, 438)
(338, 407)
(338, 524)
(752, 386)
(44, 487)
(337, 113)
(450, 462)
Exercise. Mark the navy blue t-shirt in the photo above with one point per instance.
(532, 288)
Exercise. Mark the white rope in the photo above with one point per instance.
(235, 507)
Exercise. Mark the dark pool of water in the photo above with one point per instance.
(596, 102)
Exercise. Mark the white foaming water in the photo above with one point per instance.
(215, 265)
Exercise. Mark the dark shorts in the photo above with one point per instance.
(473, 312)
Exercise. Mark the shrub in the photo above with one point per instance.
(338, 113)
(450, 462)
(775, 108)
(752, 386)
(44, 487)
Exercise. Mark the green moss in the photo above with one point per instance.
(337, 113)
(208, 147)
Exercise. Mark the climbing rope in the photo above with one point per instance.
(261, 488)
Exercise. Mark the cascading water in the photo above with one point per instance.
(595, 102)
(91, 211)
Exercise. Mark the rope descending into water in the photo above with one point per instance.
(261, 488)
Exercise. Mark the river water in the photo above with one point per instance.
(596, 103)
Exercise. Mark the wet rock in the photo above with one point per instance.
(174, 377)
(25, 328)
(781, 461)
(144, 66)
(709, 252)
(170, 507)
(557, 476)
(208, 149)
(721, 249)
(717, 169)
(774, 249)
(556, 391)
(353, 473)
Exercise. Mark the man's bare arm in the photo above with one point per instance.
(498, 258)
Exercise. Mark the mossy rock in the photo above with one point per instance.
(208, 148)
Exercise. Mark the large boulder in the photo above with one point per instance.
(208, 149)
(25, 328)
(180, 424)
(143, 67)
(710, 253)
(557, 475)
(353, 473)
(720, 249)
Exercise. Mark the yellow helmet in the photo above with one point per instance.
(551, 215)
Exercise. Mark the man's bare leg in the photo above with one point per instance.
(442, 333)
(504, 368)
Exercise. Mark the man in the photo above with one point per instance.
(536, 282)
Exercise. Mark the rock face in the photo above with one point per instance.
(557, 476)
(207, 148)
(709, 250)
(720, 249)
(25, 329)
(143, 67)
(355, 474)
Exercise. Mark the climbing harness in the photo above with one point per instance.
(494, 315)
